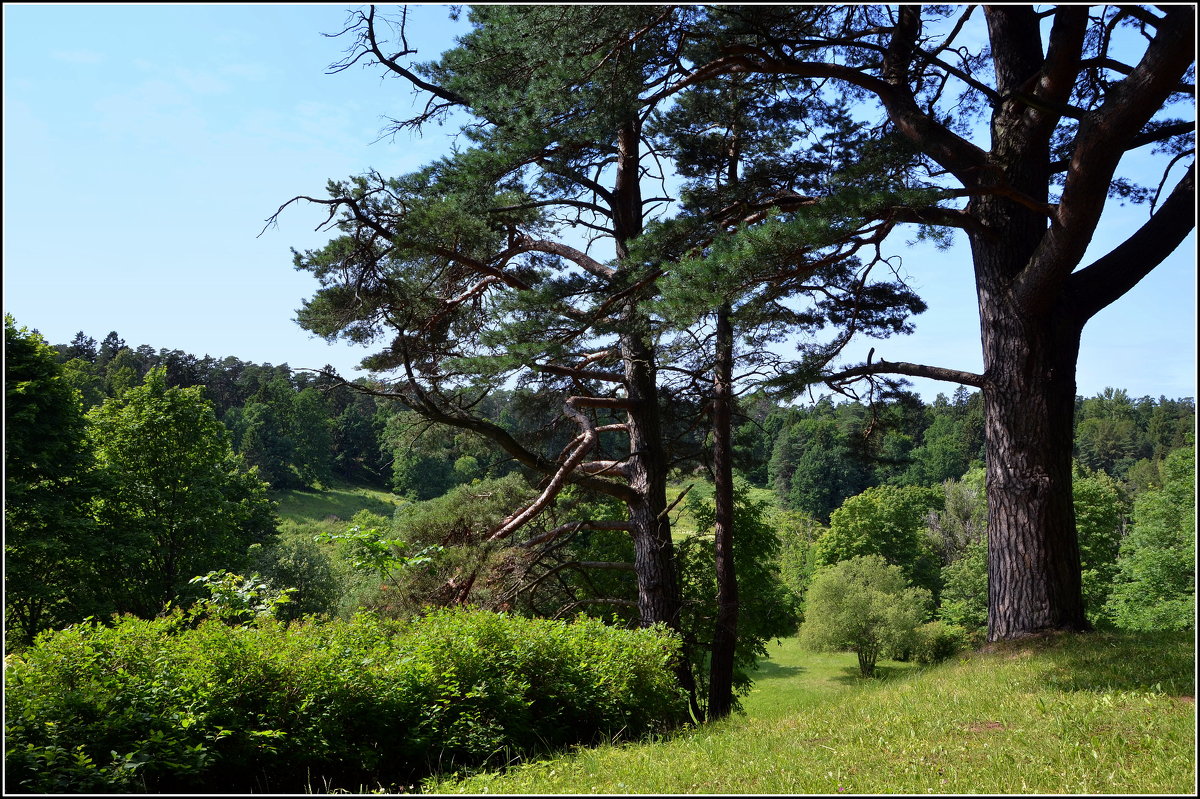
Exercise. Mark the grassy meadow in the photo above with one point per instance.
(1106, 712)
(331, 508)
(683, 523)
(1098, 713)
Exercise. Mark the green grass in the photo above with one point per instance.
(683, 523)
(1098, 713)
(333, 506)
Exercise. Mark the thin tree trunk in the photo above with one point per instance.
(720, 679)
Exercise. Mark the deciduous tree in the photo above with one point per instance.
(1155, 585)
(888, 521)
(862, 605)
(180, 502)
(50, 540)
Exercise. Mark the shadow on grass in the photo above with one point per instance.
(769, 670)
(1103, 661)
(851, 675)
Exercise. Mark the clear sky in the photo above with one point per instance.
(145, 146)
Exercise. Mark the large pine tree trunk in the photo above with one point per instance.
(658, 586)
(1030, 347)
(659, 599)
(654, 554)
(1029, 396)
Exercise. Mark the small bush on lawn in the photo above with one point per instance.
(165, 705)
(938, 641)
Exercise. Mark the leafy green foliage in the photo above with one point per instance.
(372, 551)
(179, 502)
(235, 599)
(1100, 513)
(962, 519)
(163, 706)
(951, 444)
(964, 592)
(287, 434)
(888, 521)
(429, 460)
(50, 541)
(798, 534)
(937, 641)
(1155, 585)
(293, 559)
(814, 467)
(1128, 438)
(862, 605)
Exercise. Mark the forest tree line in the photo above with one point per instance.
(302, 429)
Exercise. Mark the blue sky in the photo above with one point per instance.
(145, 145)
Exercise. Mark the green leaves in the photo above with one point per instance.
(161, 706)
(1155, 585)
(180, 501)
(237, 599)
(50, 539)
(862, 605)
(373, 552)
(886, 521)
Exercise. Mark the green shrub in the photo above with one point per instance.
(965, 596)
(172, 706)
(862, 605)
(938, 641)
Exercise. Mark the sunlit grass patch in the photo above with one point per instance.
(334, 505)
(1066, 714)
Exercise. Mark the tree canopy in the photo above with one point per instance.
(50, 541)
(1011, 129)
(181, 504)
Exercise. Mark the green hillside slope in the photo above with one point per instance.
(1101, 713)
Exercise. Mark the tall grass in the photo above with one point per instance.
(1096, 713)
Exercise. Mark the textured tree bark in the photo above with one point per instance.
(659, 596)
(658, 586)
(654, 555)
(1034, 579)
(1029, 352)
(1033, 552)
(720, 678)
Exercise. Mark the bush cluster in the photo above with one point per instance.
(937, 641)
(167, 705)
